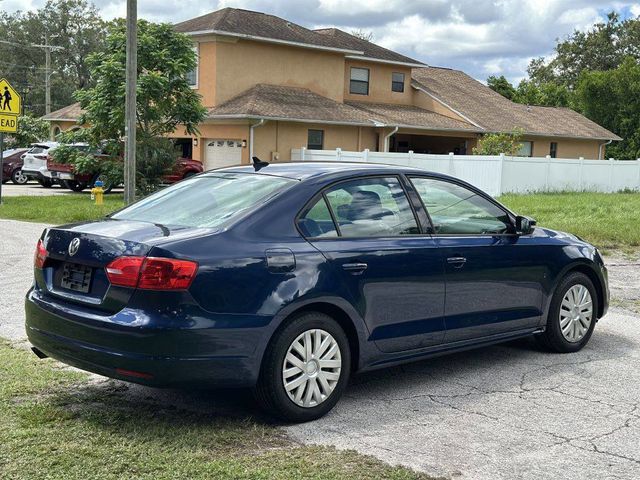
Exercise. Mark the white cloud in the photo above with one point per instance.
(482, 37)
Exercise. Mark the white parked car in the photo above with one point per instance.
(35, 162)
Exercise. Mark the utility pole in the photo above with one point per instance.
(130, 103)
(47, 75)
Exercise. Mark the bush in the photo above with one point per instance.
(497, 143)
(155, 157)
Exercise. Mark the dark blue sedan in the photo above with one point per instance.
(286, 278)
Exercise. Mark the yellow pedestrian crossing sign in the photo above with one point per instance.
(10, 107)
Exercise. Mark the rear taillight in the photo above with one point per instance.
(40, 255)
(49, 160)
(152, 273)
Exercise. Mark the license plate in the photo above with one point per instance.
(76, 277)
(66, 176)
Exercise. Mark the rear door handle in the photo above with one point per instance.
(354, 268)
(457, 262)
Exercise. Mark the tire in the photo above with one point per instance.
(18, 178)
(270, 390)
(74, 185)
(45, 183)
(553, 337)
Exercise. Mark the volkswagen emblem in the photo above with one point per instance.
(74, 245)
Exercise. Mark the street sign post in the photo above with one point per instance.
(10, 109)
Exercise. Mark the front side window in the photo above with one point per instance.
(315, 139)
(457, 210)
(206, 201)
(192, 76)
(359, 81)
(371, 207)
(526, 149)
(397, 82)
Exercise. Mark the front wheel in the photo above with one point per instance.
(18, 177)
(74, 185)
(572, 314)
(305, 369)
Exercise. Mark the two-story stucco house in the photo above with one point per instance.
(270, 86)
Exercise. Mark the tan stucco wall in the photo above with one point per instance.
(63, 125)
(379, 83)
(567, 148)
(241, 64)
(207, 72)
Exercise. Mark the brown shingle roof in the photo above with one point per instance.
(488, 109)
(274, 101)
(411, 116)
(294, 103)
(70, 112)
(369, 49)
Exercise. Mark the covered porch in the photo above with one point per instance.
(432, 143)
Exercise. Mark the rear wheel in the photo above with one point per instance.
(46, 183)
(74, 185)
(305, 369)
(19, 178)
(572, 314)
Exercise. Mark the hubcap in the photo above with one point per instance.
(21, 178)
(576, 313)
(311, 368)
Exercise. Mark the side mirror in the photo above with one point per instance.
(524, 225)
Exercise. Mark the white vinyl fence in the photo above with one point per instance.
(503, 174)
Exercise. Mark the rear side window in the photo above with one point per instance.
(457, 210)
(205, 201)
(317, 221)
(371, 207)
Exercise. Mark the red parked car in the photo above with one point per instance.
(184, 168)
(12, 166)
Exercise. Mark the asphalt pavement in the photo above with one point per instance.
(504, 412)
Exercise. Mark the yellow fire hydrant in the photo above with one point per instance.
(97, 193)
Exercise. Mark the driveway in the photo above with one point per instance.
(504, 412)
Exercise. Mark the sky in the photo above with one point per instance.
(480, 37)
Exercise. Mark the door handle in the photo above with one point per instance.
(354, 268)
(457, 262)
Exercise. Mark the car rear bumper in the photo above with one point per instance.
(37, 174)
(186, 357)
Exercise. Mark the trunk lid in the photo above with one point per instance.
(78, 254)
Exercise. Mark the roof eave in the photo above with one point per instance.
(389, 62)
(247, 116)
(200, 33)
(59, 119)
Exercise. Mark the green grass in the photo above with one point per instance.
(56, 424)
(58, 209)
(608, 220)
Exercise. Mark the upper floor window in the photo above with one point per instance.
(553, 149)
(526, 149)
(359, 81)
(397, 82)
(192, 76)
(315, 139)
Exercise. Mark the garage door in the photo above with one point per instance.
(222, 153)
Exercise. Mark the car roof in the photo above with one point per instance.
(306, 170)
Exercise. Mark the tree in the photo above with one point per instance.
(30, 130)
(497, 143)
(74, 25)
(548, 94)
(612, 99)
(502, 86)
(165, 100)
(362, 34)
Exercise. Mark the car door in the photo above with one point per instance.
(389, 271)
(494, 279)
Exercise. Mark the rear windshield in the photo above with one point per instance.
(205, 201)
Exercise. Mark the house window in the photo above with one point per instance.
(359, 83)
(192, 76)
(553, 149)
(397, 82)
(315, 139)
(526, 149)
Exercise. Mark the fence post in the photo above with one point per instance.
(338, 154)
(638, 186)
(581, 174)
(303, 150)
(366, 155)
(500, 174)
(547, 173)
(450, 163)
(411, 158)
(611, 166)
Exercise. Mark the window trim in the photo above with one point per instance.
(322, 193)
(394, 82)
(475, 190)
(368, 82)
(321, 130)
(196, 48)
